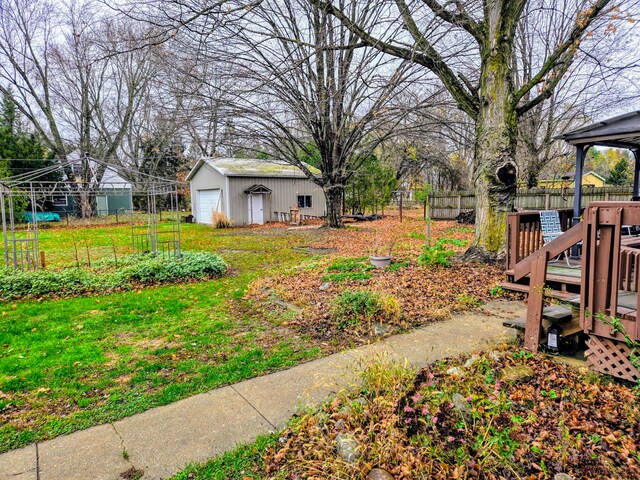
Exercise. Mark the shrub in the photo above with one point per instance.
(439, 254)
(220, 220)
(353, 307)
(105, 277)
(192, 265)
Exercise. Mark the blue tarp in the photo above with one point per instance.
(42, 217)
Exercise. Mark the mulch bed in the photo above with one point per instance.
(505, 414)
(425, 294)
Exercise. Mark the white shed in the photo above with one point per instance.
(251, 191)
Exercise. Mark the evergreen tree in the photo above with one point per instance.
(20, 151)
(620, 174)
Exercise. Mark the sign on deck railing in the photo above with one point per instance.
(448, 205)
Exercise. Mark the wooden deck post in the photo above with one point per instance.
(533, 325)
(581, 152)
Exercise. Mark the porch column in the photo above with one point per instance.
(636, 174)
(581, 151)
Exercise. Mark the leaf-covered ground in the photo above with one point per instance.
(425, 293)
(501, 415)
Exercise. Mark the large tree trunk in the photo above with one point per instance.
(333, 194)
(86, 199)
(495, 174)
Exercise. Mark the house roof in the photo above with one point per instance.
(111, 178)
(251, 167)
(571, 176)
(622, 131)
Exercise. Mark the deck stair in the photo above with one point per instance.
(564, 316)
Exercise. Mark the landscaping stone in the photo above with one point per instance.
(348, 447)
(324, 287)
(495, 355)
(516, 373)
(379, 329)
(472, 361)
(289, 306)
(460, 403)
(379, 474)
(562, 476)
(455, 371)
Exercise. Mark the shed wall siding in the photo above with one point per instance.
(206, 178)
(283, 197)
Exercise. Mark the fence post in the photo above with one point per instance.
(547, 201)
(459, 204)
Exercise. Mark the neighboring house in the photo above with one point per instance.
(589, 179)
(114, 193)
(251, 191)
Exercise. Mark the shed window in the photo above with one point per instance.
(60, 201)
(304, 201)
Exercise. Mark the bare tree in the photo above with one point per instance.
(470, 46)
(577, 97)
(70, 83)
(313, 91)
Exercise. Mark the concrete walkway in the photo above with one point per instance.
(162, 441)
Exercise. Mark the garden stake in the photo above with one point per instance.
(88, 257)
(75, 248)
(115, 257)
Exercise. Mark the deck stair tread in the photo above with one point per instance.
(565, 317)
(570, 297)
(557, 314)
(568, 329)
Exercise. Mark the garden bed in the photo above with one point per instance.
(504, 414)
(423, 294)
(110, 275)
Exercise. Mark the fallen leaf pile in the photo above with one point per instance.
(425, 294)
(406, 237)
(505, 414)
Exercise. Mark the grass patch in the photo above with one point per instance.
(439, 254)
(72, 363)
(395, 266)
(348, 269)
(357, 308)
(459, 229)
(242, 463)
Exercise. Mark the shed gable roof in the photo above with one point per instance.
(251, 167)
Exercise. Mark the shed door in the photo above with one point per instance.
(208, 202)
(256, 208)
(102, 205)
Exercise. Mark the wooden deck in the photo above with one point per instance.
(602, 284)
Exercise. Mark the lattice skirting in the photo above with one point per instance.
(609, 356)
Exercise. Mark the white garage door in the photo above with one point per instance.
(208, 202)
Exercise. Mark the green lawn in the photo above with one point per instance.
(72, 363)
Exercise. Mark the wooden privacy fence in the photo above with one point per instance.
(448, 205)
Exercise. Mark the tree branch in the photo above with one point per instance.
(460, 19)
(427, 56)
(560, 60)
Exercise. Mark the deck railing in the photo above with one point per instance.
(611, 265)
(524, 234)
